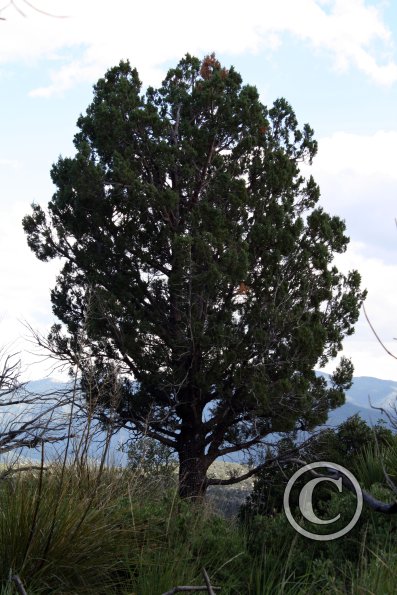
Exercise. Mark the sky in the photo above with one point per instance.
(335, 61)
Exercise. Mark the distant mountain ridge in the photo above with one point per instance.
(365, 391)
(47, 385)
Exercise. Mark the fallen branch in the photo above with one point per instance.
(18, 584)
(190, 589)
(208, 583)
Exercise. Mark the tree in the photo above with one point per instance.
(197, 264)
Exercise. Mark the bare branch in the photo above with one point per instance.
(14, 5)
(377, 336)
(208, 583)
(188, 589)
(18, 585)
(28, 419)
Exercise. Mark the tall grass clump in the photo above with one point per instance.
(374, 462)
(378, 573)
(60, 530)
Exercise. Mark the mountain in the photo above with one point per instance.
(341, 414)
(46, 386)
(365, 391)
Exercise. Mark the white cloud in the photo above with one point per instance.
(98, 34)
(25, 291)
(380, 280)
(363, 155)
(13, 163)
(353, 170)
(357, 177)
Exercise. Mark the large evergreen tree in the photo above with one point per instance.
(197, 264)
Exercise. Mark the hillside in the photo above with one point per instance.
(366, 391)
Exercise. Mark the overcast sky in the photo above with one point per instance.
(335, 61)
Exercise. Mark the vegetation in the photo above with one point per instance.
(27, 419)
(197, 265)
(350, 445)
(85, 529)
(197, 295)
(151, 459)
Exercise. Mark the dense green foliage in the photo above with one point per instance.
(348, 445)
(335, 566)
(198, 263)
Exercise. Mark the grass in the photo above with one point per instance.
(86, 530)
(59, 531)
(378, 575)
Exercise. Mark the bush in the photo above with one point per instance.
(148, 458)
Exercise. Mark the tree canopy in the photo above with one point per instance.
(197, 264)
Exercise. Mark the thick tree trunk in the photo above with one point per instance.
(193, 467)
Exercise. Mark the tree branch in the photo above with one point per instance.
(371, 501)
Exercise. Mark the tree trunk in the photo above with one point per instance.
(193, 467)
